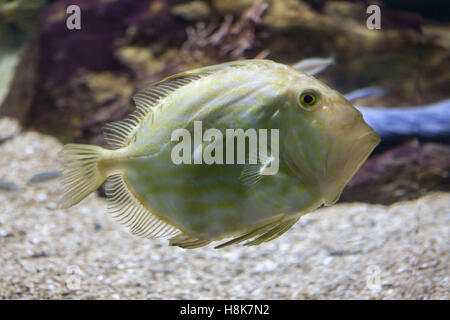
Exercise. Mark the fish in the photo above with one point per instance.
(322, 140)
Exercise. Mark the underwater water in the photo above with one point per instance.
(68, 68)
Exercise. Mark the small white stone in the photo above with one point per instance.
(41, 197)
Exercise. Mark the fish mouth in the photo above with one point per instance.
(351, 154)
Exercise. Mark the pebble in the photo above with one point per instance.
(8, 186)
(41, 197)
(44, 177)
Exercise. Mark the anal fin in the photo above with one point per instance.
(263, 233)
(129, 210)
(253, 233)
(187, 242)
(273, 233)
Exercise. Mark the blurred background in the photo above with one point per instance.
(60, 84)
(70, 82)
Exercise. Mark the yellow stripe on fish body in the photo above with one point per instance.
(200, 203)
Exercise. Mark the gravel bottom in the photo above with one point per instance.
(350, 251)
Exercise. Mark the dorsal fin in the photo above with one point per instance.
(119, 134)
(125, 207)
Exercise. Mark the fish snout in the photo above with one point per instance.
(346, 155)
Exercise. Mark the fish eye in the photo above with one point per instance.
(308, 99)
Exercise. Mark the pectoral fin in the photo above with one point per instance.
(252, 174)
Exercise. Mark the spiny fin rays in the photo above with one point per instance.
(252, 174)
(126, 208)
(263, 233)
(253, 233)
(119, 134)
(187, 242)
(259, 235)
(273, 233)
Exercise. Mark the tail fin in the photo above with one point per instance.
(81, 173)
